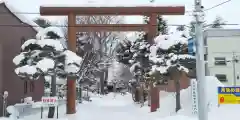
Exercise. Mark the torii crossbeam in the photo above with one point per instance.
(72, 12)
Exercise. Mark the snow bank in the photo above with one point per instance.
(13, 113)
(212, 92)
(167, 100)
(177, 117)
(28, 100)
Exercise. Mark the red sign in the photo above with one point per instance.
(49, 101)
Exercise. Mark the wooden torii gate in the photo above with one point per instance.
(72, 12)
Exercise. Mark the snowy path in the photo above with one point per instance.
(106, 108)
(109, 108)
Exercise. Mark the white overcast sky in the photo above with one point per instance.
(229, 11)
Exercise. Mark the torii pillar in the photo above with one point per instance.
(72, 12)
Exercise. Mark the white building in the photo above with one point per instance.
(222, 46)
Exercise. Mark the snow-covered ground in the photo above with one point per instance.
(122, 108)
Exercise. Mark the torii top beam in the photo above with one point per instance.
(137, 10)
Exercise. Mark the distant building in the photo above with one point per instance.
(220, 45)
(12, 37)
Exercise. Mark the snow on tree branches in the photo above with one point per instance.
(123, 53)
(135, 55)
(140, 51)
(170, 51)
(46, 55)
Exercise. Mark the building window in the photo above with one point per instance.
(25, 87)
(220, 61)
(205, 57)
(221, 77)
(205, 41)
(32, 86)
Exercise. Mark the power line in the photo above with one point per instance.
(221, 25)
(217, 5)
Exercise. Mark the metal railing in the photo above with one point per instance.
(25, 109)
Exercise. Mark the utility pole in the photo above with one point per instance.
(234, 61)
(200, 63)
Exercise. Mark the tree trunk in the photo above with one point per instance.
(177, 88)
(137, 90)
(105, 81)
(141, 94)
(149, 94)
(102, 82)
(53, 93)
(137, 94)
(80, 93)
(153, 91)
(114, 89)
(106, 75)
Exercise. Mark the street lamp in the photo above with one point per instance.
(5, 95)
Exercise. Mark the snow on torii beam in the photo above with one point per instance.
(72, 12)
(137, 10)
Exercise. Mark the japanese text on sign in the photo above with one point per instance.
(49, 101)
(194, 97)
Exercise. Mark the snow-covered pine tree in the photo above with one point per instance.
(192, 29)
(42, 22)
(46, 56)
(170, 57)
(123, 53)
(162, 27)
(218, 22)
(181, 28)
(139, 60)
(135, 55)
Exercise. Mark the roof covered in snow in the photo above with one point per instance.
(21, 17)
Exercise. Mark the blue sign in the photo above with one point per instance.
(191, 46)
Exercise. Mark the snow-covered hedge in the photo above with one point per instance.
(45, 56)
